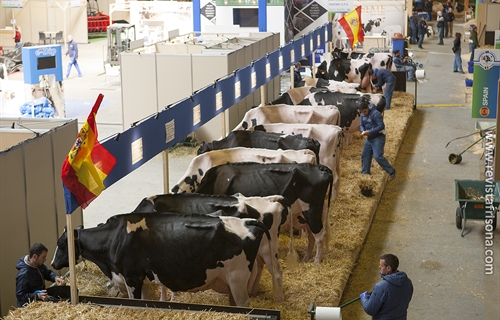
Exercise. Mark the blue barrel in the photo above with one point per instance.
(399, 44)
(468, 82)
(470, 67)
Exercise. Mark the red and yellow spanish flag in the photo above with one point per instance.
(86, 166)
(351, 23)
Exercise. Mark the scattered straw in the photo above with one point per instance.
(322, 283)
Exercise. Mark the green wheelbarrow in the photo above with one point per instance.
(470, 195)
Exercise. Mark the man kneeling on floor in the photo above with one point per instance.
(372, 126)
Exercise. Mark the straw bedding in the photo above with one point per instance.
(304, 282)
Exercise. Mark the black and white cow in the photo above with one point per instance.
(295, 95)
(261, 139)
(348, 105)
(283, 113)
(332, 85)
(302, 182)
(328, 136)
(182, 252)
(200, 164)
(270, 210)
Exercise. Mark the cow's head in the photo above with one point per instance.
(204, 147)
(61, 259)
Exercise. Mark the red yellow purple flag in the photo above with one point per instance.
(351, 23)
(86, 166)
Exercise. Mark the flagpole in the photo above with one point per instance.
(71, 259)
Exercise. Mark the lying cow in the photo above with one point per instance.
(348, 105)
(200, 164)
(261, 139)
(268, 210)
(303, 182)
(283, 113)
(182, 252)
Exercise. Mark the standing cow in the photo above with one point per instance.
(348, 106)
(270, 210)
(200, 164)
(302, 182)
(283, 113)
(261, 139)
(182, 252)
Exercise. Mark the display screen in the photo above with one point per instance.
(46, 63)
(246, 18)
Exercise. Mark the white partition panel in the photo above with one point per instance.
(9, 138)
(139, 98)
(31, 202)
(207, 69)
(173, 78)
(14, 239)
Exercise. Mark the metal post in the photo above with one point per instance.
(263, 94)
(223, 120)
(165, 172)
(71, 259)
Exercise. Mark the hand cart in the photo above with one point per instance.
(470, 194)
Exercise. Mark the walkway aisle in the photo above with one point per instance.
(416, 221)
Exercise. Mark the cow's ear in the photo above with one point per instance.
(75, 234)
(80, 227)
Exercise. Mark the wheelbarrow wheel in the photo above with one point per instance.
(458, 218)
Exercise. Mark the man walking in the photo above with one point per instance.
(391, 296)
(73, 56)
(372, 126)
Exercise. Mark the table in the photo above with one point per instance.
(51, 35)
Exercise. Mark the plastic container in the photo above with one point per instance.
(468, 82)
(470, 66)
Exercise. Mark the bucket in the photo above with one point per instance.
(470, 66)
(454, 158)
(468, 82)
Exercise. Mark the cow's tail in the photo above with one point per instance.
(327, 222)
(274, 266)
(292, 258)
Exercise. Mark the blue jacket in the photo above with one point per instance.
(390, 297)
(29, 279)
(72, 50)
(383, 76)
(297, 77)
(372, 122)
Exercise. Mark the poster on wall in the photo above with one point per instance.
(241, 3)
(485, 86)
(12, 3)
(153, 19)
(380, 18)
(302, 16)
(209, 11)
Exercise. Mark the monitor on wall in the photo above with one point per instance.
(246, 17)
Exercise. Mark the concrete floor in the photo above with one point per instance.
(416, 216)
